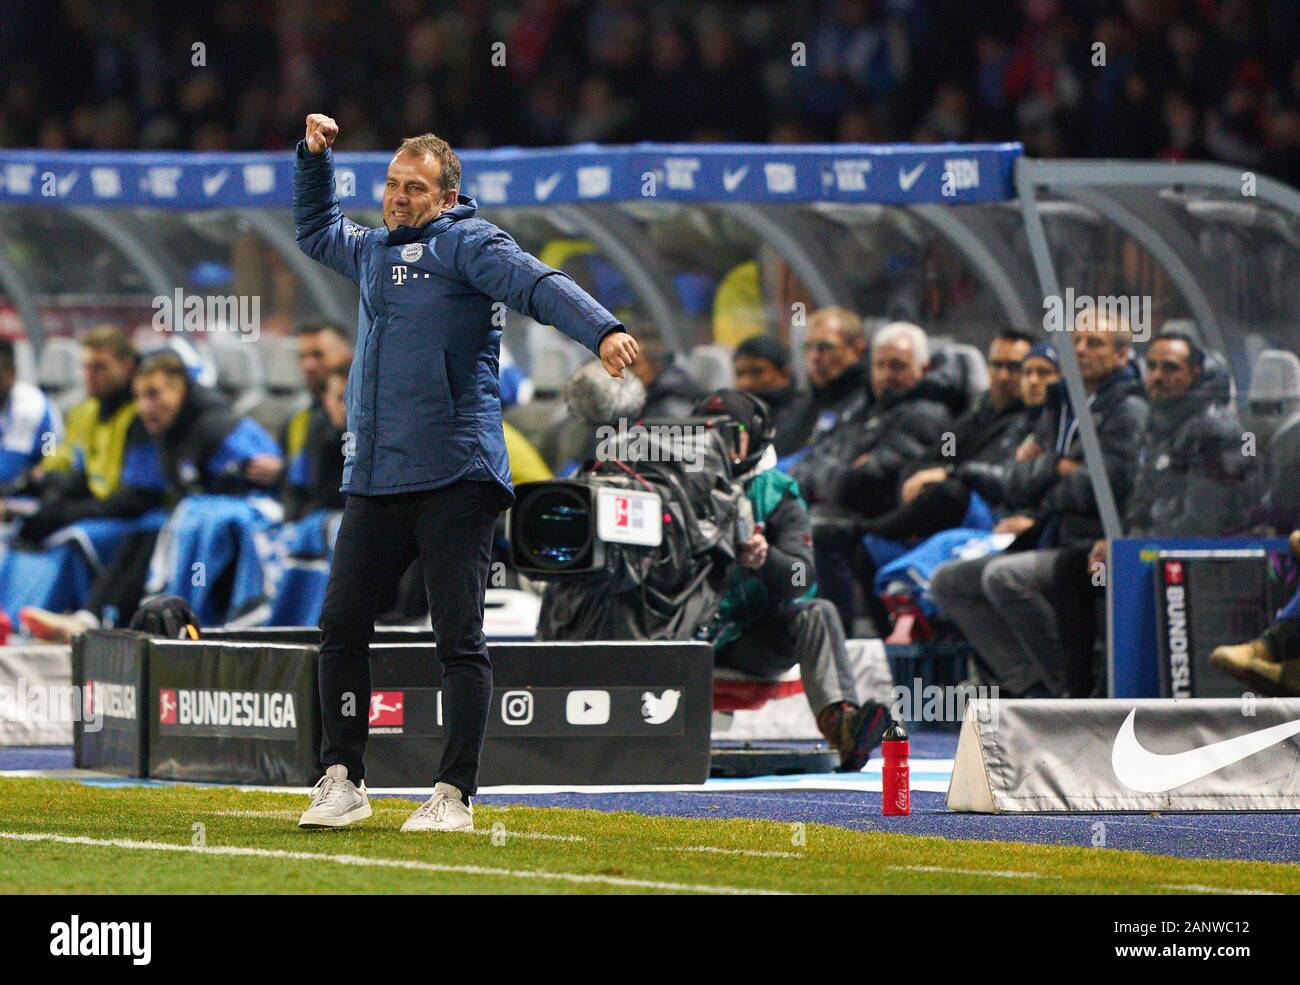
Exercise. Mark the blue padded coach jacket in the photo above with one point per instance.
(423, 397)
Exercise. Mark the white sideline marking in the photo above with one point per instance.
(999, 873)
(1193, 887)
(386, 863)
(754, 852)
(535, 835)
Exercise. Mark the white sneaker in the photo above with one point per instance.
(336, 801)
(444, 811)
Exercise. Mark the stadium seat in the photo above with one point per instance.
(1186, 326)
(1274, 400)
(550, 371)
(285, 392)
(1255, 345)
(970, 368)
(734, 690)
(25, 361)
(538, 418)
(1283, 467)
(58, 371)
(1275, 379)
(197, 358)
(240, 375)
(710, 367)
(552, 353)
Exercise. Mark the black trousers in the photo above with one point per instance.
(120, 586)
(1076, 600)
(807, 633)
(450, 531)
(842, 561)
(941, 506)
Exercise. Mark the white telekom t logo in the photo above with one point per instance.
(399, 274)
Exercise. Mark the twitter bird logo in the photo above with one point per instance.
(660, 709)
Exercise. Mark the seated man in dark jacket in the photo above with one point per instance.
(840, 386)
(1003, 603)
(971, 458)
(770, 617)
(313, 452)
(1193, 480)
(762, 364)
(323, 449)
(852, 473)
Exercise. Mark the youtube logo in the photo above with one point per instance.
(587, 708)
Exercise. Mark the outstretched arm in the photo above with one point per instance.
(319, 225)
(492, 261)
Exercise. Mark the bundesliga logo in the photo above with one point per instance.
(387, 711)
(1180, 667)
(108, 700)
(237, 709)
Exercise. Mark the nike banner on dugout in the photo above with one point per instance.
(1117, 755)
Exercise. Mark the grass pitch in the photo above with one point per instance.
(65, 837)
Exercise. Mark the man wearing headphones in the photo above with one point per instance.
(770, 617)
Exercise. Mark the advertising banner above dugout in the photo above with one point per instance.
(901, 174)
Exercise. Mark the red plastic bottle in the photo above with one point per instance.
(896, 797)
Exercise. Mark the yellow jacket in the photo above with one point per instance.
(526, 463)
(95, 446)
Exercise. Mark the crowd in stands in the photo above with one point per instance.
(899, 459)
(903, 466)
(909, 461)
(1173, 79)
(940, 505)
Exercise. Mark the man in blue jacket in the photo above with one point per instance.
(425, 465)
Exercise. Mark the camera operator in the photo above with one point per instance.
(770, 618)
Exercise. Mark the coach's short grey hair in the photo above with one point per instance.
(598, 398)
(906, 332)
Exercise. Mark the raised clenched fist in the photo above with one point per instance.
(618, 350)
(321, 131)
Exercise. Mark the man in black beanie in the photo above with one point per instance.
(762, 364)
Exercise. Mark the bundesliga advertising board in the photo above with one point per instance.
(842, 447)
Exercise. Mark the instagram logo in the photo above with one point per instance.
(517, 707)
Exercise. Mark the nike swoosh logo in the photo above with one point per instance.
(1151, 772)
(543, 187)
(212, 182)
(731, 179)
(906, 179)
